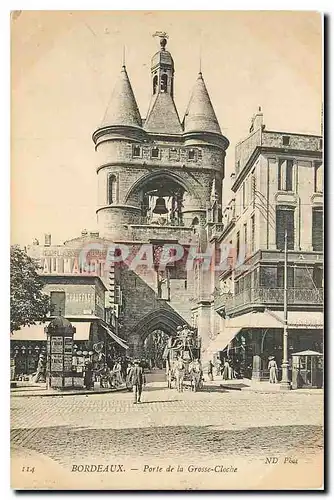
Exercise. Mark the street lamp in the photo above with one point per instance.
(285, 382)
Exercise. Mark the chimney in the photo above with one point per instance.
(257, 121)
(47, 240)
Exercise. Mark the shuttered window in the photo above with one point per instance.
(285, 222)
(57, 303)
(253, 233)
(238, 244)
(253, 188)
(317, 229)
(285, 175)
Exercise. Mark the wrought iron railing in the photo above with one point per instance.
(296, 296)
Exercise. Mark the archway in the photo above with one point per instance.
(163, 319)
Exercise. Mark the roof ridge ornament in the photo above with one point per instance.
(163, 38)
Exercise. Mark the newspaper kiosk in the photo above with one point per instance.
(307, 370)
(59, 353)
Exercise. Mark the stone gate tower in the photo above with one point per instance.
(159, 181)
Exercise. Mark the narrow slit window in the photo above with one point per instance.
(111, 189)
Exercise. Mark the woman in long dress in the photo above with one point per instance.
(272, 367)
(226, 370)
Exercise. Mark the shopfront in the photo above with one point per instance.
(249, 340)
(94, 340)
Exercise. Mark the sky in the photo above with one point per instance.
(64, 66)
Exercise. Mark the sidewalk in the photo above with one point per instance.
(29, 390)
(254, 386)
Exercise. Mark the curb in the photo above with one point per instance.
(17, 394)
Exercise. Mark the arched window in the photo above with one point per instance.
(195, 221)
(155, 83)
(111, 189)
(163, 83)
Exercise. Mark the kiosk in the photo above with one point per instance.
(307, 369)
(59, 353)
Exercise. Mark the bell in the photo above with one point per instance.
(160, 206)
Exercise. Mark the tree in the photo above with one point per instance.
(28, 304)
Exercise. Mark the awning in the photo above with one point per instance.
(33, 332)
(233, 326)
(82, 330)
(113, 335)
(37, 332)
(307, 353)
(306, 320)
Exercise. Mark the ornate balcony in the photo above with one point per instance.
(269, 296)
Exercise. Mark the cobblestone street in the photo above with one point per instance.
(189, 426)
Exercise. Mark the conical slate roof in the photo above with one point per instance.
(200, 115)
(162, 116)
(122, 108)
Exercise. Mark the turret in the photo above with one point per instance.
(162, 116)
(200, 122)
(122, 117)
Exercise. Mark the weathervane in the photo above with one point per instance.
(163, 38)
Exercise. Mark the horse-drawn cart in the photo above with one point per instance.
(182, 355)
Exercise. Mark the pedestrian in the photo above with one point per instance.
(117, 373)
(272, 367)
(230, 370)
(210, 371)
(179, 373)
(137, 380)
(218, 366)
(41, 368)
(226, 370)
(88, 378)
(196, 374)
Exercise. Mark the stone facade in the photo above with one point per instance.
(140, 160)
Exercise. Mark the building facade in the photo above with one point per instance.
(75, 280)
(277, 189)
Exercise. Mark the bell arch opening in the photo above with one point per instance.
(162, 198)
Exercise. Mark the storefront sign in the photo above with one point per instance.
(80, 297)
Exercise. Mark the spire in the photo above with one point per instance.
(122, 108)
(162, 117)
(200, 115)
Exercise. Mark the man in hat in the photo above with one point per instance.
(272, 367)
(137, 379)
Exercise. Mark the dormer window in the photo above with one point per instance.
(163, 83)
(155, 153)
(192, 154)
(136, 152)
